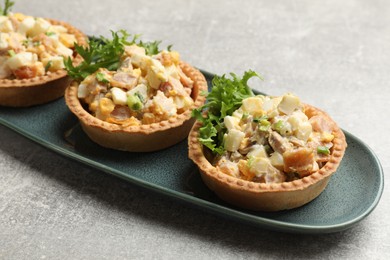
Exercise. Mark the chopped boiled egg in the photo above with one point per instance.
(289, 104)
(40, 26)
(253, 105)
(233, 140)
(21, 59)
(26, 25)
(119, 96)
(231, 122)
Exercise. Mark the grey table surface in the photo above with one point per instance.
(333, 54)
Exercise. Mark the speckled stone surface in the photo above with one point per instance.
(333, 54)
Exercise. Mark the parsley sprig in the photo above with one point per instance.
(106, 53)
(225, 97)
(7, 7)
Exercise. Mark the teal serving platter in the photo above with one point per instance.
(352, 193)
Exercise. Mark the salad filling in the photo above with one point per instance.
(31, 47)
(262, 138)
(142, 86)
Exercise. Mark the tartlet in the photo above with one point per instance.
(49, 84)
(262, 193)
(136, 132)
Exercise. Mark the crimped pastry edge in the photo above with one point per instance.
(41, 89)
(143, 138)
(268, 197)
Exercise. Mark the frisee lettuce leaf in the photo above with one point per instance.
(7, 7)
(225, 97)
(106, 53)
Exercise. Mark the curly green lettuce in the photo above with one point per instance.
(106, 53)
(225, 97)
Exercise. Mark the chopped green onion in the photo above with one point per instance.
(11, 53)
(48, 65)
(245, 116)
(278, 126)
(50, 33)
(250, 161)
(141, 98)
(264, 125)
(259, 119)
(323, 150)
(134, 103)
(101, 77)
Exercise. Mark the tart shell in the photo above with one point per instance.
(42, 89)
(142, 138)
(262, 196)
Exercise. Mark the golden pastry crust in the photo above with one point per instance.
(42, 89)
(268, 197)
(143, 138)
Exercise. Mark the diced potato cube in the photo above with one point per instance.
(153, 80)
(288, 104)
(63, 50)
(253, 105)
(140, 60)
(257, 150)
(304, 131)
(233, 140)
(53, 63)
(232, 123)
(259, 166)
(67, 39)
(270, 106)
(5, 25)
(276, 160)
(26, 25)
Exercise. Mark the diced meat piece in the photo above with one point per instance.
(28, 72)
(121, 112)
(186, 81)
(228, 167)
(278, 143)
(299, 161)
(134, 49)
(124, 80)
(126, 65)
(173, 87)
(319, 124)
(166, 59)
(163, 105)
